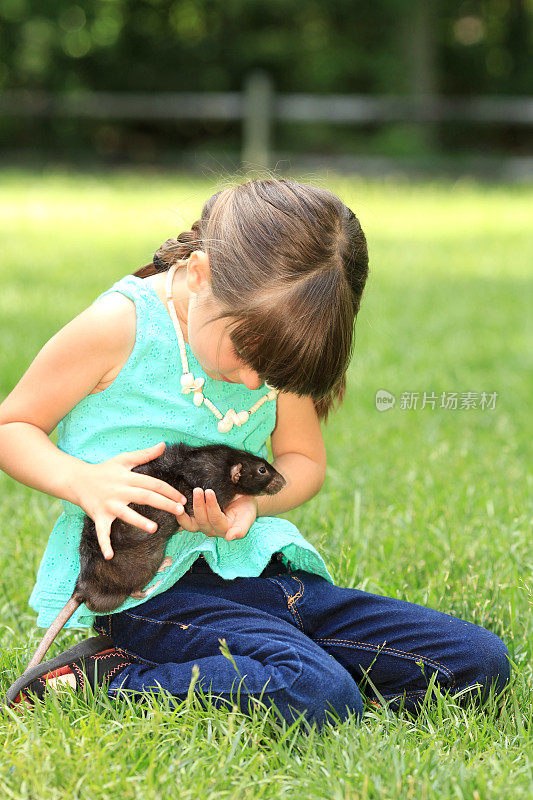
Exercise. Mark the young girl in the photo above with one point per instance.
(240, 329)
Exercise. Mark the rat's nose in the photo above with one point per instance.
(276, 484)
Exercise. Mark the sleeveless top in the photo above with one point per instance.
(141, 407)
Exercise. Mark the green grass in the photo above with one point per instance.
(428, 505)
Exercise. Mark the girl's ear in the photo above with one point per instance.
(198, 277)
(236, 472)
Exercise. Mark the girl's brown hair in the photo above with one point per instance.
(288, 263)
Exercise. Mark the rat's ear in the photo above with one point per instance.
(236, 472)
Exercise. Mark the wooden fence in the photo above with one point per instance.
(258, 107)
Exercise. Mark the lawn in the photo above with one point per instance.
(425, 503)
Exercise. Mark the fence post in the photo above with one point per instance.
(258, 100)
(421, 52)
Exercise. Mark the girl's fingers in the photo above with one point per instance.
(202, 514)
(200, 511)
(187, 522)
(133, 518)
(136, 457)
(147, 498)
(133, 458)
(156, 485)
(216, 516)
(103, 534)
(234, 533)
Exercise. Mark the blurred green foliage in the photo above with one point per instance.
(391, 47)
(341, 46)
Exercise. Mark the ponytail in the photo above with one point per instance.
(173, 250)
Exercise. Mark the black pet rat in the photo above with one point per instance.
(104, 585)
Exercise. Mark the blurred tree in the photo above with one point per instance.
(457, 47)
(342, 46)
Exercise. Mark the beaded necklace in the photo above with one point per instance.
(191, 384)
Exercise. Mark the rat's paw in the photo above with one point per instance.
(145, 592)
(167, 562)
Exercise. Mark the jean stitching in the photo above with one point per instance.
(162, 621)
(102, 628)
(403, 694)
(296, 597)
(417, 692)
(302, 590)
(134, 655)
(121, 649)
(288, 597)
(208, 627)
(423, 691)
(391, 697)
(392, 651)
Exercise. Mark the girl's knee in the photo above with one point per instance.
(344, 698)
(489, 663)
(326, 692)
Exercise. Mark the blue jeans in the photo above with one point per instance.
(307, 643)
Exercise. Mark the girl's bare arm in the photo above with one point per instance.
(69, 366)
(299, 454)
(28, 455)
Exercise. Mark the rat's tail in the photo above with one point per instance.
(62, 618)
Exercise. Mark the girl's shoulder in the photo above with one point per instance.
(121, 314)
(80, 359)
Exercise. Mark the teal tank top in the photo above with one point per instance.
(143, 406)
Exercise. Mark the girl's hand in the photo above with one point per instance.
(211, 520)
(105, 491)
